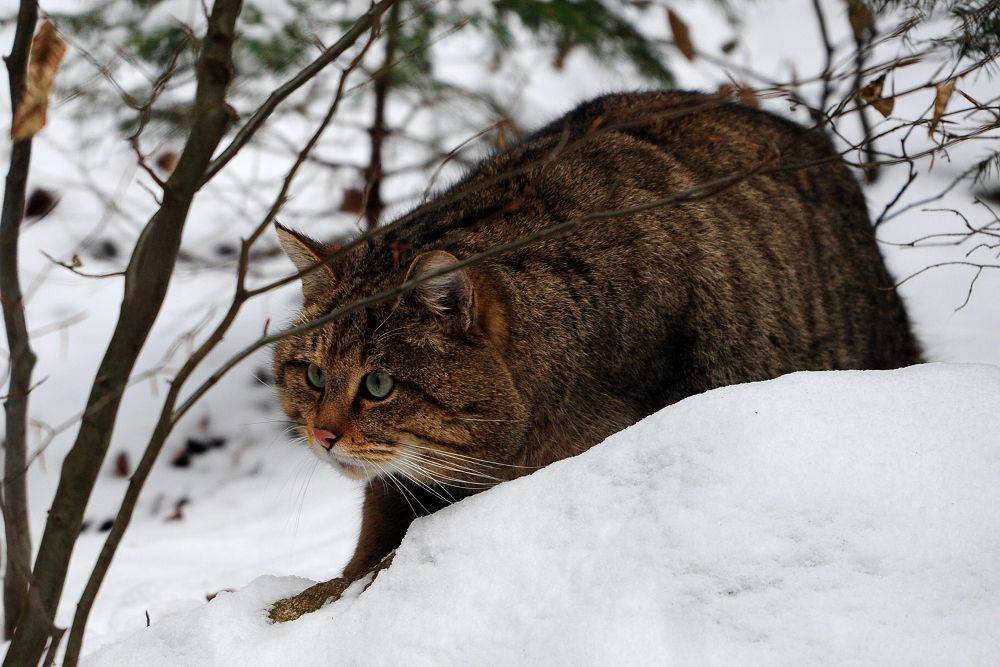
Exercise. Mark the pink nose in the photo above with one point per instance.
(325, 438)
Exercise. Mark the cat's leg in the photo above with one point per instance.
(318, 595)
(384, 519)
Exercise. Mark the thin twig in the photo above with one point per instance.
(265, 110)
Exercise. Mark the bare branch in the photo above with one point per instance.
(265, 110)
(13, 493)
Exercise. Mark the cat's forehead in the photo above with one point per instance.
(334, 339)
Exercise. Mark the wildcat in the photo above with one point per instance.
(491, 371)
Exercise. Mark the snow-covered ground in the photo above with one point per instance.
(820, 518)
(258, 505)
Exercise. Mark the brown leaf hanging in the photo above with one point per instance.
(861, 19)
(353, 200)
(47, 51)
(873, 90)
(682, 36)
(884, 105)
(872, 93)
(941, 99)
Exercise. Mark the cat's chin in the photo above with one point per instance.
(352, 470)
(345, 464)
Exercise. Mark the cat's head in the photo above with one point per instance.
(415, 386)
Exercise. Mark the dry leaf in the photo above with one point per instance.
(123, 466)
(873, 93)
(906, 62)
(748, 96)
(873, 90)
(884, 106)
(178, 514)
(353, 201)
(726, 90)
(104, 249)
(944, 91)
(181, 460)
(211, 596)
(47, 51)
(682, 36)
(166, 161)
(40, 203)
(861, 19)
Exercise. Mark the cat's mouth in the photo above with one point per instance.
(349, 464)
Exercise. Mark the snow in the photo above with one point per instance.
(816, 518)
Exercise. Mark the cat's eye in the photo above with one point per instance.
(377, 385)
(315, 377)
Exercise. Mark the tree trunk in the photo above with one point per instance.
(382, 82)
(14, 490)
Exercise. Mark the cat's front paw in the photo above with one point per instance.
(308, 601)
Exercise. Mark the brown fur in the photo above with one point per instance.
(543, 352)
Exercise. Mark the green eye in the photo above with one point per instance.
(378, 385)
(315, 377)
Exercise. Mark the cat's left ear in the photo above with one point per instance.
(306, 253)
(450, 294)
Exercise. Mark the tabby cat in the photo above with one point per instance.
(764, 264)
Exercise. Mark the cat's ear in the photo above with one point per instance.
(306, 253)
(450, 294)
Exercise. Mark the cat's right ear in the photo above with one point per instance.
(306, 253)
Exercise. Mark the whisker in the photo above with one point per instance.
(472, 460)
(446, 480)
(441, 452)
(386, 475)
(405, 467)
(402, 488)
(270, 421)
(433, 483)
(295, 474)
(447, 459)
(300, 497)
(450, 467)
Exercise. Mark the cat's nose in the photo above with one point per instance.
(327, 439)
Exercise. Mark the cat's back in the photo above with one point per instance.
(769, 241)
(761, 253)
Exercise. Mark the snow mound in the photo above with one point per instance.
(816, 518)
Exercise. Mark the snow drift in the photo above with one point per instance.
(819, 517)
